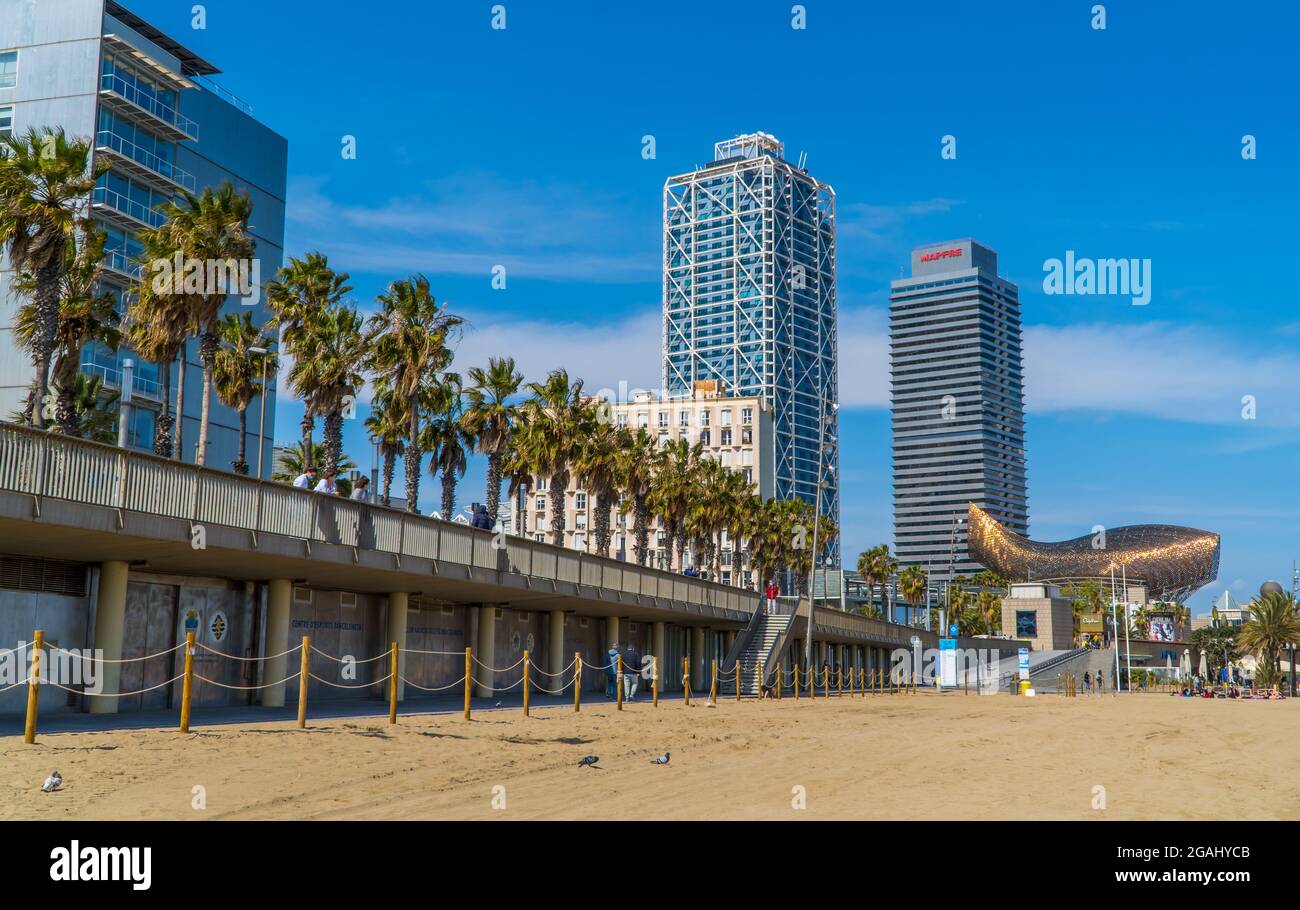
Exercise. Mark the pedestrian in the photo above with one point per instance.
(631, 673)
(307, 479)
(365, 521)
(611, 674)
(329, 483)
(1087, 682)
(482, 519)
(326, 518)
(361, 489)
(771, 593)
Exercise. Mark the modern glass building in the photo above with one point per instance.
(154, 115)
(749, 301)
(958, 404)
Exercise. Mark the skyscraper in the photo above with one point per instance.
(749, 301)
(152, 113)
(958, 403)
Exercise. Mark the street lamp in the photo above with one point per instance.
(817, 515)
(264, 353)
(124, 401)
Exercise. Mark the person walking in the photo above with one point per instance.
(771, 593)
(361, 490)
(611, 674)
(631, 673)
(1087, 683)
(307, 479)
(325, 510)
(365, 522)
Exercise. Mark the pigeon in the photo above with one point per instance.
(52, 783)
(499, 704)
(661, 760)
(589, 761)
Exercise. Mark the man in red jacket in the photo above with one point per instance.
(771, 592)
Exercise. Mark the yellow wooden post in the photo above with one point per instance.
(577, 681)
(303, 678)
(713, 684)
(526, 683)
(826, 681)
(840, 678)
(654, 683)
(737, 679)
(618, 681)
(780, 680)
(796, 682)
(686, 679)
(188, 685)
(34, 685)
(392, 686)
(469, 677)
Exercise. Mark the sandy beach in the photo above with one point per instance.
(920, 757)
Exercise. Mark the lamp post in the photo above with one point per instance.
(264, 353)
(817, 516)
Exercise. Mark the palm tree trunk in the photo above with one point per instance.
(736, 562)
(207, 357)
(179, 432)
(555, 495)
(239, 464)
(333, 439)
(390, 463)
(413, 457)
(494, 485)
(448, 494)
(47, 322)
(65, 409)
(716, 544)
(640, 529)
(603, 506)
(308, 424)
(162, 428)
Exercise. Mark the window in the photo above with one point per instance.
(725, 437)
(6, 120)
(746, 416)
(726, 418)
(580, 521)
(643, 420)
(622, 421)
(704, 418)
(539, 504)
(683, 418)
(749, 475)
(704, 438)
(663, 418)
(580, 501)
(746, 437)
(8, 69)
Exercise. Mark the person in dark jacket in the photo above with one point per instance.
(631, 673)
(481, 517)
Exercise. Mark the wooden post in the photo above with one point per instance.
(34, 685)
(577, 681)
(796, 682)
(469, 677)
(780, 680)
(392, 686)
(303, 679)
(526, 682)
(737, 679)
(618, 681)
(686, 679)
(713, 685)
(826, 681)
(187, 687)
(840, 678)
(654, 683)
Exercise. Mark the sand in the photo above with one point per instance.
(920, 757)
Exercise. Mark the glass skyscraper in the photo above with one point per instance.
(958, 404)
(154, 116)
(749, 301)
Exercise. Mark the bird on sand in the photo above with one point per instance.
(52, 783)
(661, 760)
(588, 761)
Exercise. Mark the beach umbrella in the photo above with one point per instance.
(1185, 665)
(1205, 670)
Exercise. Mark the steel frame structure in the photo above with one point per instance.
(749, 301)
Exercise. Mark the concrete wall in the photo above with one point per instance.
(1055, 621)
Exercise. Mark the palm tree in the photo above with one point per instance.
(205, 230)
(45, 179)
(636, 458)
(87, 314)
(296, 459)
(327, 366)
(387, 425)
(300, 292)
(238, 372)
(97, 411)
(670, 492)
(706, 513)
(876, 567)
(556, 419)
(736, 517)
(410, 336)
(446, 439)
(990, 610)
(158, 339)
(1219, 644)
(596, 467)
(489, 416)
(912, 584)
(1273, 626)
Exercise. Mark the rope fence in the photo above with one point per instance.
(712, 679)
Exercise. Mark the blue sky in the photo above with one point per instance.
(522, 147)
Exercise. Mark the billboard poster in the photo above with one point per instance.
(1161, 629)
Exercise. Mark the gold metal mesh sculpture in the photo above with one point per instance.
(1171, 561)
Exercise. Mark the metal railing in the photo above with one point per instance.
(47, 465)
(145, 158)
(138, 211)
(111, 82)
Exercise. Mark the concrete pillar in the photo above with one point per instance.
(555, 649)
(485, 651)
(611, 635)
(697, 659)
(110, 622)
(659, 647)
(279, 603)
(397, 604)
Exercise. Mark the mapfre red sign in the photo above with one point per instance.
(940, 254)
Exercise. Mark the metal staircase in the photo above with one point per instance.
(764, 637)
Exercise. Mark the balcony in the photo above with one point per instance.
(123, 212)
(143, 164)
(112, 376)
(132, 101)
(120, 267)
